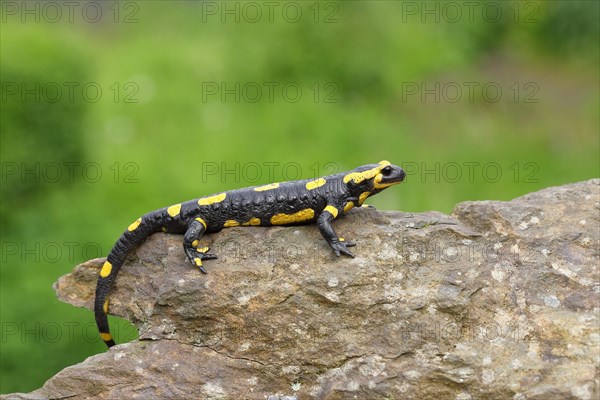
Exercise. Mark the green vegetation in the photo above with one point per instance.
(188, 93)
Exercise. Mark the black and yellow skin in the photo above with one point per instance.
(287, 203)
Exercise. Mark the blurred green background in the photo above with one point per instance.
(112, 109)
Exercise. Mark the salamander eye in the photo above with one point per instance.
(386, 171)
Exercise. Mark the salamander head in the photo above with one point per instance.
(371, 179)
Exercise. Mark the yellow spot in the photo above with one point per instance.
(348, 206)
(202, 249)
(231, 222)
(363, 196)
(359, 177)
(384, 162)
(332, 210)
(203, 222)
(195, 243)
(106, 269)
(134, 225)
(174, 210)
(266, 187)
(217, 198)
(315, 184)
(342, 239)
(198, 262)
(302, 215)
(252, 222)
(105, 336)
(378, 185)
(105, 307)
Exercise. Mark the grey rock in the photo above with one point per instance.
(498, 300)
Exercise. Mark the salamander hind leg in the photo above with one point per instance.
(191, 241)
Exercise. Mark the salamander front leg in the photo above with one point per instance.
(339, 246)
(191, 241)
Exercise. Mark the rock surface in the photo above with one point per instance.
(498, 300)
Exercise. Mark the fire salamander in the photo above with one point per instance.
(287, 203)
